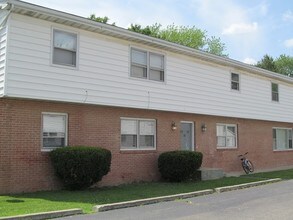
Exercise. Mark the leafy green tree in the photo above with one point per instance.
(268, 63)
(152, 30)
(284, 65)
(137, 28)
(215, 46)
(104, 20)
(183, 35)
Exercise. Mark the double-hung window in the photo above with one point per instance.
(275, 92)
(282, 138)
(54, 130)
(235, 81)
(147, 65)
(226, 135)
(138, 133)
(64, 48)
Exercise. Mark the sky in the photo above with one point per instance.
(249, 29)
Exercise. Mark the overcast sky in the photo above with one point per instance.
(249, 28)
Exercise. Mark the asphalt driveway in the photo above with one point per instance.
(271, 201)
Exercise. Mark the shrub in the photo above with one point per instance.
(176, 166)
(80, 166)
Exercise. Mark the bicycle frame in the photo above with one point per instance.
(246, 164)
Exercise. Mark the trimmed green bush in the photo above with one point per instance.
(79, 167)
(177, 166)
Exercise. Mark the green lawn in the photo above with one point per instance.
(19, 204)
(283, 174)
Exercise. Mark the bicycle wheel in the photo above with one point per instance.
(245, 167)
(250, 166)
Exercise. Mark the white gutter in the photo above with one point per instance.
(126, 34)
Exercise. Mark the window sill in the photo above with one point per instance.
(137, 151)
(49, 149)
(147, 80)
(235, 90)
(46, 150)
(227, 148)
(285, 150)
(64, 66)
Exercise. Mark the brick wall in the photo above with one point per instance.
(24, 167)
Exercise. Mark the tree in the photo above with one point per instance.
(215, 46)
(284, 65)
(104, 20)
(268, 63)
(183, 35)
(137, 28)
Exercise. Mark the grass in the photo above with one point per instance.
(283, 174)
(11, 205)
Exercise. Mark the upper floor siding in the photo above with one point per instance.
(102, 76)
(3, 42)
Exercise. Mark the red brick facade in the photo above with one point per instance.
(24, 167)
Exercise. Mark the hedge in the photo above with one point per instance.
(176, 166)
(79, 167)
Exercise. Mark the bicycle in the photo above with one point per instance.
(246, 164)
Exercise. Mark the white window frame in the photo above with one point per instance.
(148, 66)
(138, 148)
(76, 51)
(236, 136)
(272, 92)
(66, 129)
(233, 81)
(275, 147)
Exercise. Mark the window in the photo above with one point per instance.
(54, 130)
(138, 134)
(64, 48)
(226, 136)
(275, 92)
(282, 138)
(147, 65)
(235, 81)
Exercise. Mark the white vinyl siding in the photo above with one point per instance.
(147, 65)
(103, 77)
(282, 138)
(226, 136)
(3, 43)
(138, 134)
(64, 48)
(54, 130)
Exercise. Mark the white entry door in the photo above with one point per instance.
(187, 136)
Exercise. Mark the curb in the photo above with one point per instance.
(120, 205)
(246, 185)
(45, 215)
(133, 203)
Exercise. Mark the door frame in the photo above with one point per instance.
(192, 133)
